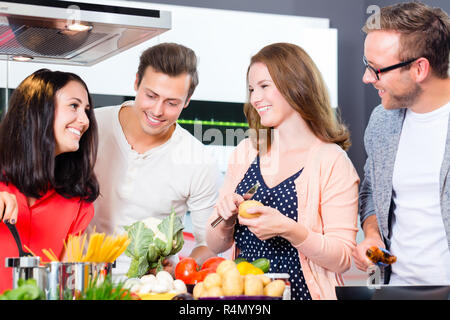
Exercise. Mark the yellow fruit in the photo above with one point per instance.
(247, 204)
(245, 268)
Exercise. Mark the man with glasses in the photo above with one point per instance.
(405, 194)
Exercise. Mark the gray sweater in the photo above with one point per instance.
(381, 142)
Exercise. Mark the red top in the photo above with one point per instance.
(46, 224)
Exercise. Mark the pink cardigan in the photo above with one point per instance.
(327, 191)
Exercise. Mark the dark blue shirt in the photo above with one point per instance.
(282, 255)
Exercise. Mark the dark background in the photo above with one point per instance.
(355, 99)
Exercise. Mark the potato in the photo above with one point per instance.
(232, 282)
(253, 286)
(265, 279)
(204, 293)
(248, 204)
(215, 292)
(275, 288)
(198, 290)
(225, 265)
(212, 280)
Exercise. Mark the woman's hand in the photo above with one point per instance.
(227, 208)
(8, 207)
(269, 224)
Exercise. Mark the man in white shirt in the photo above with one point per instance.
(147, 163)
(405, 194)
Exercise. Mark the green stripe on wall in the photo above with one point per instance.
(213, 123)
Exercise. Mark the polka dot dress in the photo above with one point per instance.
(282, 255)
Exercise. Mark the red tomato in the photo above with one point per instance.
(185, 269)
(212, 262)
(200, 275)
(133, 295)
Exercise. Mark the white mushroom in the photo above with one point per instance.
(147, 287)
(148, 278)
(161, 286)
(179, 286)
(131, 282)
(164, 275)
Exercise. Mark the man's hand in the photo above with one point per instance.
(362, 262)
(372, 238)
(167, 266)
(201, 253)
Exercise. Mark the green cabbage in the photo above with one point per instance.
(152, 240)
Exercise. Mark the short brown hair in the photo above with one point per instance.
(425, 32)
(172, 59)
(300, 82)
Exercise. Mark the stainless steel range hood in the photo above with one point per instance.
(44, 31)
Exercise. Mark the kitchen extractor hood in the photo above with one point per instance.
(75, 33)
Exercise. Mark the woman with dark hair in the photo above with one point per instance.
(308, 186)
(48, 147)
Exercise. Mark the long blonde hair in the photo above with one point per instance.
(299, 81)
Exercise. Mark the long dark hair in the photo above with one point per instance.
(27, 142)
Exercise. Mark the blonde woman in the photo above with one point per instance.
(308, 186)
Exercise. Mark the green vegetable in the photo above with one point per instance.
(26, 290)
(239, 260)
(105, 290)
(262, 263)
(140, 237)
(152, 254)
(179, 242)
(153, 240)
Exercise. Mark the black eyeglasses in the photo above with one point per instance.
(376, 72)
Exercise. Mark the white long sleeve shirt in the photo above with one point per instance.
(178, 174)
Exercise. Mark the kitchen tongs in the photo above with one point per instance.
(246, 196)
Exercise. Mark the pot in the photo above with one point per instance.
(59, 280)
(27, 268)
